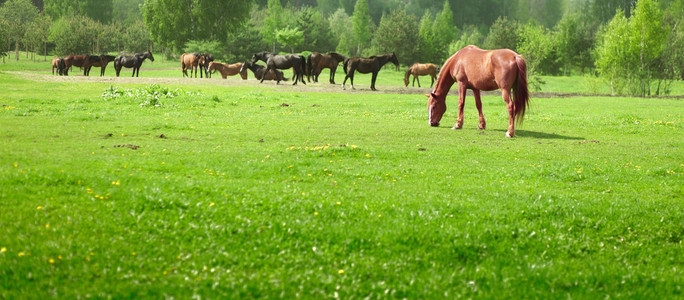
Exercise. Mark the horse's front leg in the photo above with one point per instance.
(461, 105)
(332, 75)
(506, 94)
(375, 76)
(432, 77)
(418, 79)
(478, 103)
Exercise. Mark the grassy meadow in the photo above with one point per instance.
(254, 192)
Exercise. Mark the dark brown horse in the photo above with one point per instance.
(481, 70)
(363, 65)
(227, 70)
(132, 61)
(98, 61)
(207, 58)
(193, 62)
(75, 61)
(316, 62)
(419, 70)
(59, 64)
(295, 61)
(261, 74)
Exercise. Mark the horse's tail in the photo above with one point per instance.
(345, 64)
(309, 65)
(521, 94)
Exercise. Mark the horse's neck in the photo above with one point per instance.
(444, 83)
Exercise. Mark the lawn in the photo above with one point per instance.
(245, 192)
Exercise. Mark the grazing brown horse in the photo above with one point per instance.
(316, 62)
(75, 61)
(371, 64)
(192, 61)
(98, 61)
(419, 70)
(481, 70)
(58, 63)
(227, 70)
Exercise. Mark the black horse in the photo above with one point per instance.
(273, 61)
(133, 61)
(260, 70)
(367, 65)
(204, 64)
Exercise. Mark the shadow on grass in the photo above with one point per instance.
(543, 135)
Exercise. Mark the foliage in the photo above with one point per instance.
(290, 37)
(149, 96)
(628, 48)
(397, 33)
(273, 22)
(174, 22)
(535, 45)
(444, 32)
(361, 25)
(470, 36)
(38, 32)
(99, 10)
(213, 47)
(18, 14)
(341, 26)
(317, 33)
(72, 35)
(137, 38)
(243, 43)
(573, 41)
(504, 33)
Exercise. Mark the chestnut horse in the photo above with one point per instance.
(367, 65)
(419, 70)
(77, 61)
(227, 70)
(192, 61)
(481, 70)
(316, 62)
(59, 64)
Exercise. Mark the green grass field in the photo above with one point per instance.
(250, 192)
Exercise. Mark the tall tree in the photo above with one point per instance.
(99, 10)
(444, 31)
(504, 33)
(174, 22)
(649, 37)
(18, 14)
(273, 22)
(397, 33)
(361, 24)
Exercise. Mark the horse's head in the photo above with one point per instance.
(244, 66)
(149, 55)
(394, 60)
(436, 108)
(406, 77)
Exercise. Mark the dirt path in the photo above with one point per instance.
(235, 81)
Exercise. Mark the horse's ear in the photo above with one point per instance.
(427, 95)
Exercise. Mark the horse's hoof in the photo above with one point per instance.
(481, 127)
(457, 126)
(508, 135)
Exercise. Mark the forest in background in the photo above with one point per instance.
(635, 45)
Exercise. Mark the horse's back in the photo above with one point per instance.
(483, 69)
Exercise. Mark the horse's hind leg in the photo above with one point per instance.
(417, 78)
(375, 76)
(478, 104)
(506, 94)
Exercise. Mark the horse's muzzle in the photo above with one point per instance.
(434, 124)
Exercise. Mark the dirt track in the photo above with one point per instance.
(285, 86)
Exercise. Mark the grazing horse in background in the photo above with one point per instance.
(99, 61)
(316, 62)
(191, 61)
(371, 64)
(77, 61)
(260, 72)
(227, 70)
(58, 63)
(92, 59)
(419, 70)
(132, 61)
(273, 61)
(207, 58)
(481, 70)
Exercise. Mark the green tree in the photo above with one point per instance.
(503, 33)
(273, 22)
(18, 14)
(470, 36)
(174, 22)
(99, 10)
(341, 26)
(71, 35)
(649, 37)
(535, 45)
(290, 37)
(38, 32)
(316, 30)
(397, 33)
(426, 38)
(4, 38)
(444, 31)
(361, 25)
(137, 38)
(614, 58)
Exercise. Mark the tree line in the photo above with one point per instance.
(636, 45)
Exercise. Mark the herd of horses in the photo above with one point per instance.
(470, 68)
(86, 62)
